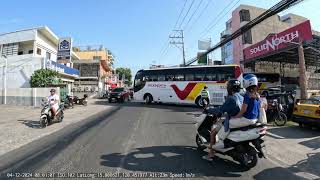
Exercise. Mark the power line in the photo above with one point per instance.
(203, 10)
(184, 5)
(194, 12)
(186, 14)
(207, 29)
(282, 5)
(218, 20)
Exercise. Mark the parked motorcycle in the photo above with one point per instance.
(81, 101)
(68, 102)
(46, 116)
(242, 144)
(276, 113)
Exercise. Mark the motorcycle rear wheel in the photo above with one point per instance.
(249, 159)
(280, 119)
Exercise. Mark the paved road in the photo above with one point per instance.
(139, 138)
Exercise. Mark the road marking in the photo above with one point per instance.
(275, 136)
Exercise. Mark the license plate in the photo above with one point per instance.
(306, 111)
(113, 98)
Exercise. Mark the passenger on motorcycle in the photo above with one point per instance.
(249, 112)
(53, 100)
(232, 107)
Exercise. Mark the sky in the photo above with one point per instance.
(137, 31)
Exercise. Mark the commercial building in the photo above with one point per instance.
(232, 52)
(286, 45)
(95, 66)
(24, 51)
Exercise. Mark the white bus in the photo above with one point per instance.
(182, 85)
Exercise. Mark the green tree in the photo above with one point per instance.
(44, 78)
(126, 73)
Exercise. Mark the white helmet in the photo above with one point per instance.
(250, 80)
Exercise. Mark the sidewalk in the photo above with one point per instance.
(20, 125)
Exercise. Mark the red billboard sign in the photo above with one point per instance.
(278, 41)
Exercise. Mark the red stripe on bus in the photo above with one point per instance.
(184, 93)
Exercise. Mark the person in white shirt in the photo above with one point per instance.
(53, 99)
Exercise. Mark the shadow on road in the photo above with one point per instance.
(310, 165)
(172, 159)
(171, 107)
(276, 173)
(313, 144)
(31, 123)
(294, 132)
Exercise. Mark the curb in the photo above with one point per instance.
(36, 153)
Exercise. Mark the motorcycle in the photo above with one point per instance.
(81, 101)
(68, 102)
(46, 116)
(275, 113)
(242, 144)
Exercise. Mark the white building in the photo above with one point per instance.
(29, 50)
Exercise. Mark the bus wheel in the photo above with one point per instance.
(199, 102)
(148, 98)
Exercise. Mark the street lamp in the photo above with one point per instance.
(5, 79)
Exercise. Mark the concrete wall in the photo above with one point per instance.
(26, 96)
(19, 71)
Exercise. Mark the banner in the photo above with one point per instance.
(204, 45)
(274, 42)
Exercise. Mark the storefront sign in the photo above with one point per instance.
(64, 50)
(61, 68)
(298, 33)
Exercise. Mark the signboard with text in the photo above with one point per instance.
(64, 50)
(274, 42)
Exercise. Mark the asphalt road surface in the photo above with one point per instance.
(136, 138)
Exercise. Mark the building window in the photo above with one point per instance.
(38, 51)
(10, 49)
(244, 15)
(247, 37)
(48, 55)
(97, 57)
(30, 52)
(228, 25)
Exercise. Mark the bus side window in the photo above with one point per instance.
(179, 77)
(153, 78)
(189, 77)
(161, 78)
(199, 77)
(169, 77)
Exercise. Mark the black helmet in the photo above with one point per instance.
(233, 86)
(52, 90)
(205, 87)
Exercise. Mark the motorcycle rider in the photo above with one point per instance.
(232, 107)
(53, 100)
(205, 96)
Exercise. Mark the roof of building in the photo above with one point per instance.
(46, 31)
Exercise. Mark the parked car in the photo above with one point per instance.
(119, 95)
(307, 112)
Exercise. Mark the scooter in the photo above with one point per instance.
(68, 102)
(242, 144)
(46, 116)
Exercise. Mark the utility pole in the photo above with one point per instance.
(178, 39)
